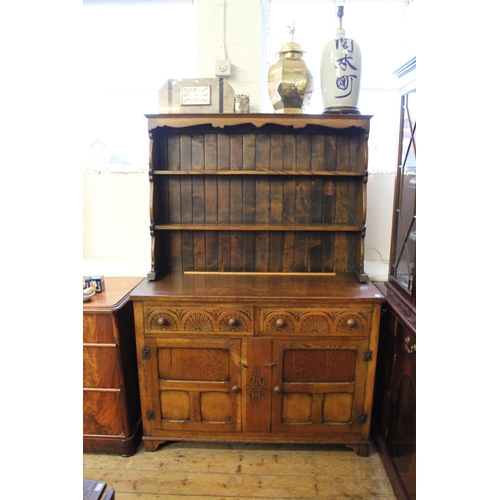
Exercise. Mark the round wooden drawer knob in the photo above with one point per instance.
(277, 390)
(351, 322)
(235, 389)
(280, 323)
(161, 321)
(233, 322)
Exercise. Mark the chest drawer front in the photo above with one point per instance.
(206, 320)
(298, 321)
(100, 415)
(101, 367)
(98, 328)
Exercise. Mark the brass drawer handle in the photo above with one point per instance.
(280, 323)
(410, 349)
(233, 322)
(351, 322)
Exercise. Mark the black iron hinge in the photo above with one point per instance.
(368, 355)
(146, 353)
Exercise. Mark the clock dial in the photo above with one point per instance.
(195, 95)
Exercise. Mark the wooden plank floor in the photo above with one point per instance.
(191, 471)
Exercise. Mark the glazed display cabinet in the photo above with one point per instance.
(257, 322)
(394, 422)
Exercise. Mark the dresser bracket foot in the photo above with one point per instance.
(362, 450)
(152, 444)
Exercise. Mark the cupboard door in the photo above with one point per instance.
(319, 387)
(194, 385)
(401, 432)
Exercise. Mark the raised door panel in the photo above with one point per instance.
(194, 385)
(319, 387)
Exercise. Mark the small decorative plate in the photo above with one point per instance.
(88, 296)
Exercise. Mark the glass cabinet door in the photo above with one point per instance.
(403, 251)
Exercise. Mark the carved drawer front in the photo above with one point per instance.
(225, 319)
(314, 322)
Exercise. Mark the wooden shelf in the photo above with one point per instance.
(308, 173)
(246, 226)
(258, 120)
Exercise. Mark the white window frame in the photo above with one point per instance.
(127, 57)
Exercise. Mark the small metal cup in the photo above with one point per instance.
(242, 104)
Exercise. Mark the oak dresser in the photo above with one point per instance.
(257, 322)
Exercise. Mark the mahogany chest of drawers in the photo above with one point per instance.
(111, 403)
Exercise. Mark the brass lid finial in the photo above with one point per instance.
(291, 46)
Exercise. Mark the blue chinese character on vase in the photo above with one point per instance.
(343, 63)
(344, 82)
(344, 43)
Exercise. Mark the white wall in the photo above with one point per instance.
(380, 196)
(242, 21)
(116, 240)
(116, 206)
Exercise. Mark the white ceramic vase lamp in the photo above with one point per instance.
(340, 72)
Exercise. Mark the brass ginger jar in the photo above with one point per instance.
(289, 81)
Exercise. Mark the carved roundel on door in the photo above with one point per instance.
(256, 387)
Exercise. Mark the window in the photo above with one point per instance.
(132, 48)
(382, 31)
